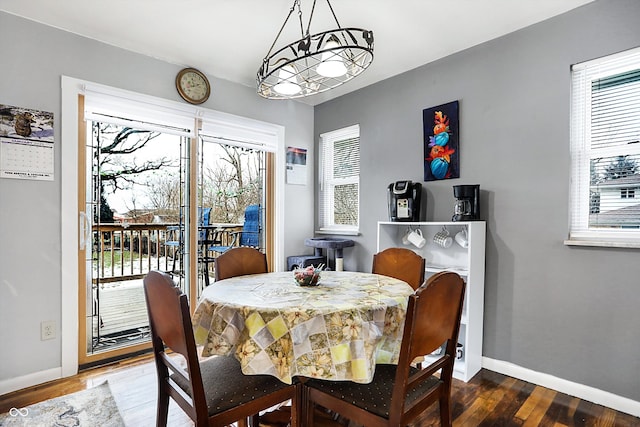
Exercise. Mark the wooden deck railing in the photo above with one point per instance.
(129, 251)
(124, 252)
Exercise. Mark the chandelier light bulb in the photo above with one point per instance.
(287, 81)
(331, 64)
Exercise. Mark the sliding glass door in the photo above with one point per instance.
(136, 182)
(154, 201)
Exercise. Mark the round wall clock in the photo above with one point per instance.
(193, 86)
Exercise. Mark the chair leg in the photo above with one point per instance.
(297, 407)
(177, 262)
(445, 411)
(206, 272)
(309, 408)
(254, 421)
(173, 264)
(163, 408)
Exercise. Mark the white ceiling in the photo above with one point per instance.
(229, 38)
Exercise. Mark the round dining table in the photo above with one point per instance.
(337, 330)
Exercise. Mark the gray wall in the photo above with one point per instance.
(34, 57)
(565, 311)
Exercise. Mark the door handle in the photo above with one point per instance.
(85, 230)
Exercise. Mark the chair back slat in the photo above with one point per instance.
(170, 323)
(400, 263)
(438, 314)
(239, 262)
(165, 311)
(433, 317)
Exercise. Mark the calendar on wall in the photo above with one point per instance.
(26, 143)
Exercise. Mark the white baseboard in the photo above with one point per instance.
(584, 392)
(13, 384)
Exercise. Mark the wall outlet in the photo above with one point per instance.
(47, 330)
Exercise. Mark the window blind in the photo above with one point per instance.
(605, 147)
(247, 133)
(110, 105)
(340, 179)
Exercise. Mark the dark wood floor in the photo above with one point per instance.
(488, 400)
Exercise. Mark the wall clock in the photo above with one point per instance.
(193, 86)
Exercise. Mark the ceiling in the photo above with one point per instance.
(229, 38)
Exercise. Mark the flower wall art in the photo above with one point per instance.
(441, 142)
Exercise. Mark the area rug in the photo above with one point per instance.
(87, 408)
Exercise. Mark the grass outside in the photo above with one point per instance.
(117, 257)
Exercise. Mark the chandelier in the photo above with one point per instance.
(314, 63)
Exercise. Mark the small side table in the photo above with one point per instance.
(335, 243)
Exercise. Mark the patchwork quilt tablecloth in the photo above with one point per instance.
(338, 330)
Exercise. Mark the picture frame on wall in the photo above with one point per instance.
(441, 142)
(296, 166)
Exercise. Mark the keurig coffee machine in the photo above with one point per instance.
(403, 198)
(467, 205)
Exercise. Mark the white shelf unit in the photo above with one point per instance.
(467, 262)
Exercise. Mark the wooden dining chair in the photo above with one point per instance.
(213, 392)
(239, 262)
(399, 393)
(400, 263)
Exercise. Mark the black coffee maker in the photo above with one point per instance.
(467, 206)
(403, 198)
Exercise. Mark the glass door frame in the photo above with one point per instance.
(73, 349)
(72, 109)
(189, 162)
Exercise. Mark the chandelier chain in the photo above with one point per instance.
(313, 8)
(334, 14)
(285, 23)
(300, 18)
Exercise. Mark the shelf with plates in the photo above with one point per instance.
(467, 261)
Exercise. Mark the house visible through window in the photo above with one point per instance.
(605, 151)
(340, 180)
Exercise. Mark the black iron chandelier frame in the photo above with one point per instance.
(297, 63)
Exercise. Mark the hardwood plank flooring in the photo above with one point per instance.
(488, 400)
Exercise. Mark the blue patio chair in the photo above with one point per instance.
(249, 236)
(203, 219)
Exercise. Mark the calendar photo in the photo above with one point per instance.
(26, 143)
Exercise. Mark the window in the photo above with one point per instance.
(340, 180)
(605, 151)
(627, 193)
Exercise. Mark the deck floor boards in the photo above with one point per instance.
(123, 307)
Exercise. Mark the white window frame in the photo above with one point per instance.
(582, 75)
(328, 183)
